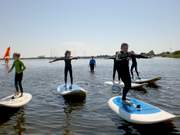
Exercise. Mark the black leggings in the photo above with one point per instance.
(18, 82)
(70, 73)
(132, 67)
(126, 79)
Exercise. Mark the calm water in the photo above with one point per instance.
(47, 113)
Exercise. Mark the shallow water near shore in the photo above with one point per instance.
(48, 113)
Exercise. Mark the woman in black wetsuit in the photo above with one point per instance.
(68, 67)
(134, 64)
(115, 68)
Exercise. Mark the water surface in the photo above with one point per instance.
(48, 113)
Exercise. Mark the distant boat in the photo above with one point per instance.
(7, 55)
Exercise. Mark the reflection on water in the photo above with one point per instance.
(6, 113)
(18, 114)
(20, 120)
(68, 109)
(153, 85)
(164, 128)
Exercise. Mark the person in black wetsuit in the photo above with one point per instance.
(68, 67)
(122, 59)
(115, 68)
(92, 64)
(134, 64)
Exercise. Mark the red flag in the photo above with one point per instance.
(7, 54)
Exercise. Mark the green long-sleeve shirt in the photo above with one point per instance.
(19, 66)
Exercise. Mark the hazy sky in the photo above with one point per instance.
(88, 27)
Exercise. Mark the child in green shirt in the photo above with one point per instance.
(19, 68)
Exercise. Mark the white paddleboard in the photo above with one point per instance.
(17, 101)
(152, 80)
(75, 91)
(147, 114)
(121, 84)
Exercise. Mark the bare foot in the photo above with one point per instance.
(21, 94)
(17, 93)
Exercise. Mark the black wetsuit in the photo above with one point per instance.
(122, 60)
(134, 64)
(115, 68)
(68, 67)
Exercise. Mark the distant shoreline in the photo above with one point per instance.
(175, 54)
(48, 58)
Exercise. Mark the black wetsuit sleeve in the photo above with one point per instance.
(112, 57)
(75, 58)
(62, 58)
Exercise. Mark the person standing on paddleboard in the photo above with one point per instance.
(115, 68)
(92, 64)
(122, 59)
(68, 67)
(134, 64)
(19, 68)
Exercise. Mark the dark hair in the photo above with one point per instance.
(124, 44)
(67, 52)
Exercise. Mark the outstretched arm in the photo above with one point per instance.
(75, 58)
(62, 58)
(111, 57)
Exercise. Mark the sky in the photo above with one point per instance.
(88, 27)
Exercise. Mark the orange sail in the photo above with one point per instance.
(7, 55)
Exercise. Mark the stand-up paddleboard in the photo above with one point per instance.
(146, 114)
(76, 93)
(121, 84)
(16, 101)
(152, 80)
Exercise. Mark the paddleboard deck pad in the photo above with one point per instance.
(145, 114)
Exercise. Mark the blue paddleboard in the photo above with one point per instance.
(146, 114)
